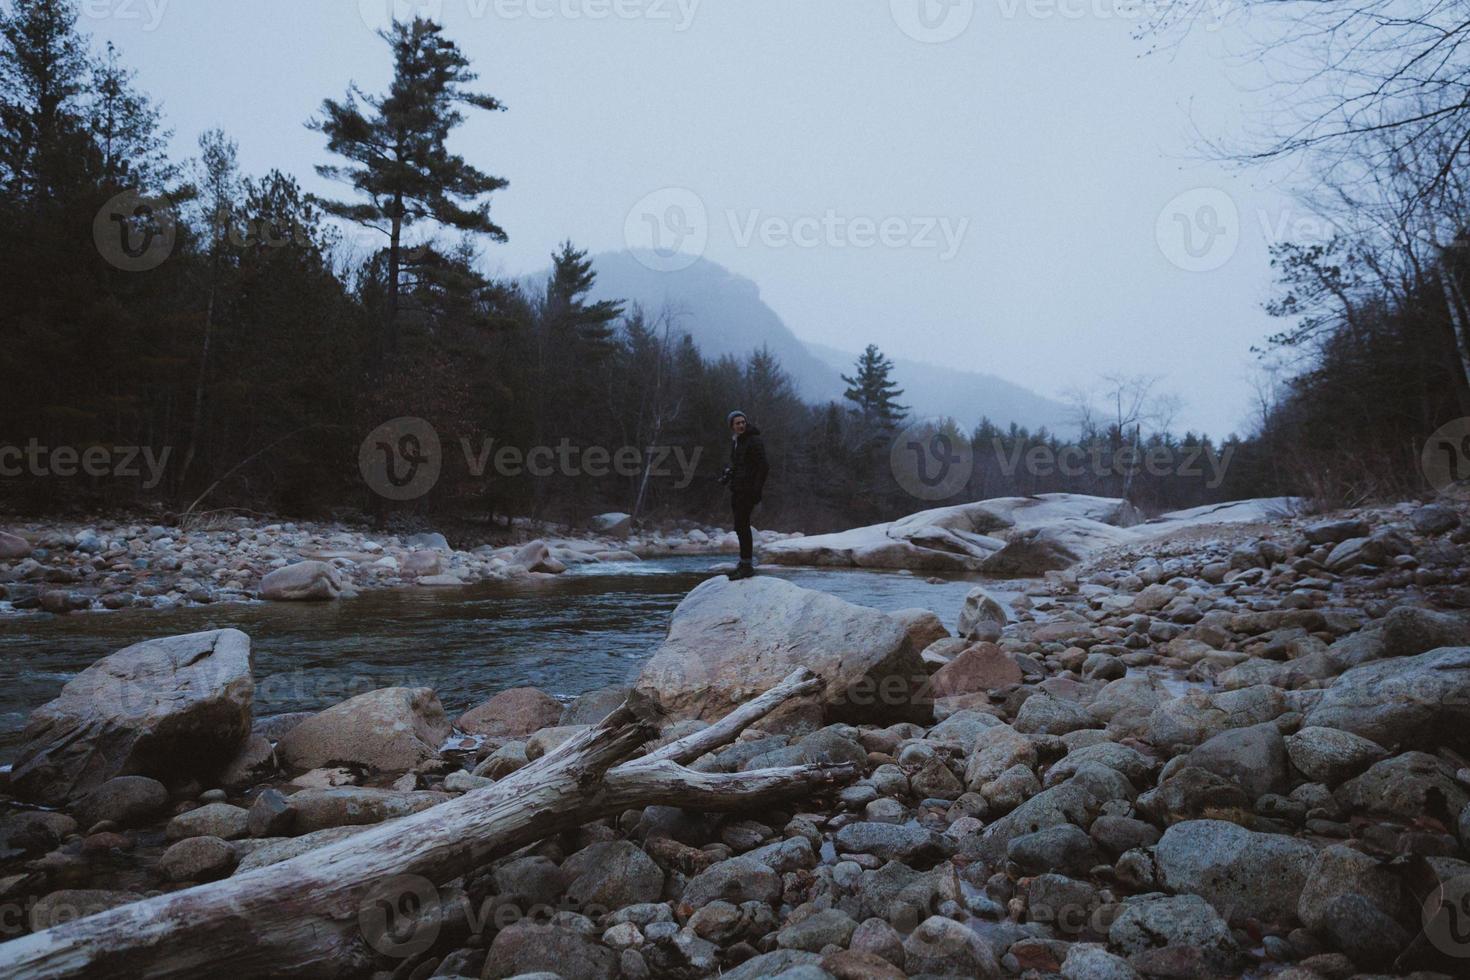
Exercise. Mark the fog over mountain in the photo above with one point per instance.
(724, 313)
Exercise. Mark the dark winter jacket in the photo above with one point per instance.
(748, 465)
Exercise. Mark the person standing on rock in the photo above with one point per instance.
(746, 478)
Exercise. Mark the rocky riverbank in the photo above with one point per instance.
(1226, 750)
(106, 565)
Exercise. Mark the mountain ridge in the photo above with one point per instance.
(724, 313)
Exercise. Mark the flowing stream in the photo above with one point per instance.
(589, 628)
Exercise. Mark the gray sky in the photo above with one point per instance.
(996, 187)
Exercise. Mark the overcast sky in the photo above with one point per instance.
(996, 186)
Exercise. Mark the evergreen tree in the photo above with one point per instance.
(567, 309)
(873, 392)
(43, 73)
(125, 127)
(399, 158)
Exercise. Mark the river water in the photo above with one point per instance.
(588, 628)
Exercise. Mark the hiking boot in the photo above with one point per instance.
(742, 570)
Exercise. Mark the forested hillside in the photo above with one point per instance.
(211, 321)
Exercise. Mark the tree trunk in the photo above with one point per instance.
(1458, 330)
(395, 266)
(198, 421)
(312, 915)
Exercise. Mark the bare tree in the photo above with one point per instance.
(1116, 411)
(1397, 71)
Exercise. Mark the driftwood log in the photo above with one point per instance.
(302, 917)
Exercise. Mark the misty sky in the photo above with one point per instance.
(1006, 200)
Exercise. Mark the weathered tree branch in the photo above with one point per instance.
(301, 917)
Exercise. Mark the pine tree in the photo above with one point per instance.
(874, 393)
(125, 127)
(572, 278)
(43, 73)
(397, 145)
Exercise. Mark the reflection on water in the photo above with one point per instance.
(586, 629)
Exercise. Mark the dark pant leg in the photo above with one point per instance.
(741, 508)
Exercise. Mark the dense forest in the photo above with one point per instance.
(182, 338)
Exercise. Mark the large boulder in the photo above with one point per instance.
(615, 525)
(125, 800)
(944, 947)
(349, 806)
(1409, 786)
(982, 616)
(512, 713)
(1376, 549)
(995, 749)
(391, 730)
(1154, 921)
(1434, 519)
(13, 546)
(922, 625)
(1338, 871)
(735, 880)
(1409, 702)
(1410, 630)
(982, 667)
(611, 875)
(1254, 758)
(729, 641)
(1063, 804)
(305, 581)
(1335, 532)
(527, 947)
(169, 708)
(535, 556)
(964, 537)
(1330, 755)
(1044, 714)
(1243, 874)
